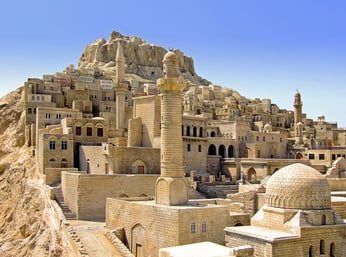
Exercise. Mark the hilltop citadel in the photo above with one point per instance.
(101, 132)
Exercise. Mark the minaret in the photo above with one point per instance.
(120, 88)
(298, 125)
(171, 187)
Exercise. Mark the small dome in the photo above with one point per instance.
(268, 127)
(298, 186)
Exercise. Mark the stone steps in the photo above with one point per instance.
(59, 198)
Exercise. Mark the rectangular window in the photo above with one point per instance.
(188, 147)
(47, 115)
(51, 145)
(204, 227)
(193, 228)
(63, 145)
(311, 156)
(89, 131)
(78, 131)
(321, 156)
(58, 116)
(34, 110)
(199, 148)
(333, 157)
(29, 110)
(100, 132)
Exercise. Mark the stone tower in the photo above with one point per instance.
(120, 87)
(297, 109)
(298, 125)
(171, 187)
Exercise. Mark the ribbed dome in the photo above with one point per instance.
(298, 186)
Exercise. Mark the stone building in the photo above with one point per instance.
(171, 219)
(296, 220)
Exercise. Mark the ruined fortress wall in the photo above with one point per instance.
(86, 194)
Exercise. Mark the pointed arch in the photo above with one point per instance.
(139, 167)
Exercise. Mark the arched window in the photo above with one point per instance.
(52, 160)
(231, 151)
(212, 150)
(222, 151)
(182, 130)
(332, 250)
(212, 134)
(322, 247)
(324, 221)
(188, 131)
(198, 111)
(194, 131)
(311, 251)
(201, 132)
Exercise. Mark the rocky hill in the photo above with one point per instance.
(29, 225)
(142, 59)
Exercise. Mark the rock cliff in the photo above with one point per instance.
(29, 225)
(142, 59)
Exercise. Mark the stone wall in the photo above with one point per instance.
(86, 194)
(53, 175)
(155, 226)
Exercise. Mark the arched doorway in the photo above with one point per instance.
(139, 167)
(222, 151)
(251, 174)
(231, 151)
(212, 134)
(212, 150)
(138, 240)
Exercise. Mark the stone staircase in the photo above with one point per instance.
(59, 198)
(217, 190)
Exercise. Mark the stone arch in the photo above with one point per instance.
(198, 111)
(212, 150)
(188, 130)
(212, 134)
(182, 130)
(222, 151)
(332, 249)
(194, 131)
(248, 152)
(64, 163)
(139, 167)
(299, 156)
(200, 132)
(322, 247)
(251, 174)
(231, 151)
(311, 251)
(323, 220)
(123, 195)
(138, 245)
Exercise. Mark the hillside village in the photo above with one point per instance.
(102, 143)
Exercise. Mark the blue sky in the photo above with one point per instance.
(264, 49)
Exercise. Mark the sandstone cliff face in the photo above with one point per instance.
(28, 224)
(142, 59)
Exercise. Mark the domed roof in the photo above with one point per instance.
(268, 127)
(298, 186)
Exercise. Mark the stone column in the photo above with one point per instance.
(171, 187)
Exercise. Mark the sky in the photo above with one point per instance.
(261, 48)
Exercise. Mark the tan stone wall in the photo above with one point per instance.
(86, 194)
(122, 159)
(148, 108)
(92, 160)
(53, 175)
(57, 157)
(166, 226)
(337, 184)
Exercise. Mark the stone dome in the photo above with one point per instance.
(298, 186)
